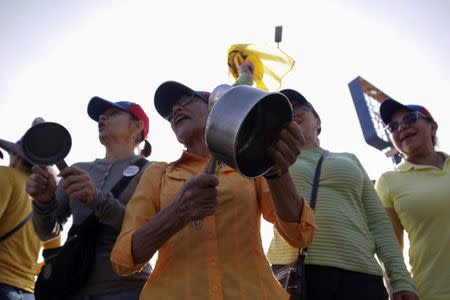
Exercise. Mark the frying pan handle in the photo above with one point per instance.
(61, 165)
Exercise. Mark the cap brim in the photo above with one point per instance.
(98, 105)
(388, 107)
(12, 148)
(167, 94)
(294, 96)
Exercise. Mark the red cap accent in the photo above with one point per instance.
(137, 111)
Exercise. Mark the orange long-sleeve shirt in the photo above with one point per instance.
(222, 260)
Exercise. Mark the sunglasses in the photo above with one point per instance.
(408, 119)
(301, 109)
(184, 101)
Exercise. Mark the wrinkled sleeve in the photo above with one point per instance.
(387, 247)
(141, 208)
(49, 217)
(297, 234)
(6, 190)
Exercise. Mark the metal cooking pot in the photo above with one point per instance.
(243, 122)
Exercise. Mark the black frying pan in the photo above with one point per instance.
(47, 144)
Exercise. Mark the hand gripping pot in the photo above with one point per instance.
(243, 122)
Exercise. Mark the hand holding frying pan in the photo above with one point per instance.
(47, 144)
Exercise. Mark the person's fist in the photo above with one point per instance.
(285, 150)
(78, 184)
(246, 68)
(197, 198)
(41, 184)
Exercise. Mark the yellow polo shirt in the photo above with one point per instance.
(420, 195)
(223, 260)
(19, 252)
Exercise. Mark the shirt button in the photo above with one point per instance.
(212, 264)
(216, 289)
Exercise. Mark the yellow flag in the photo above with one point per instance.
(270, 62)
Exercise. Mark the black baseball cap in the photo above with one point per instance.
(169, 92)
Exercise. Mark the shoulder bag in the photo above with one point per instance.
(67, 268)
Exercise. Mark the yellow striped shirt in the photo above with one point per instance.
(352, 224)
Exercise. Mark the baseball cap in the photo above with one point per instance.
(389, 106)
(297, 98)
(169, 92)
(97, 106)
(16, 148)
(12, 148)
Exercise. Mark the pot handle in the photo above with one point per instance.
(211, 166)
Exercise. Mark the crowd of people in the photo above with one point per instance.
(205, 226)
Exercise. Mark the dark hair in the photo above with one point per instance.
(433, 137)
(147, 149)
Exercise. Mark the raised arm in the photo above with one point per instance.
(50, 206)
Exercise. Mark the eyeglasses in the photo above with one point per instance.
(408, 119)
(301, 109)
(185, 100)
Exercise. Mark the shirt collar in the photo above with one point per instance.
(188, 156)
(198, 162)
(124, 159)
(405, 166)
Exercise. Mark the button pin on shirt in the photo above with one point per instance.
(130, 171)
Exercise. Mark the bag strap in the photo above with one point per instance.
(118, 188)
(125, 180)
(315, 187)
(312, 202)
(17, 227)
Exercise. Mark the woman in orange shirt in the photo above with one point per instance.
(222, 256)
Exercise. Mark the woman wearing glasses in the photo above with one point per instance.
(221, 257)
(351, 224)
(417, 196)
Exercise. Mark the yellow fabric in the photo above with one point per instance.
(18, 253)
(420, 196)
(47, 245)
(52, 243)
(223, 260)
(271, 64)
